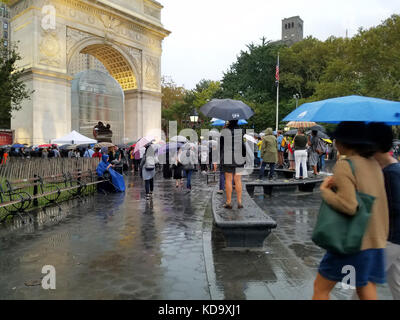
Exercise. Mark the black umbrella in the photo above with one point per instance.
(227, 109)
(320, 134)
(291, 132)
(318, 128)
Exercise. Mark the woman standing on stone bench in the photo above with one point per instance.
(229, 163)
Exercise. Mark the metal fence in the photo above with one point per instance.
(17, 168)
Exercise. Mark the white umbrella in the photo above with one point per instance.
(143, 142)
(178, 139)
(214, 133)
(209, 142)
(250, 138)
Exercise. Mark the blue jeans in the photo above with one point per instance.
(322, 162)
(221, 180)
(271, 169)
(149, 185)
(188, 174)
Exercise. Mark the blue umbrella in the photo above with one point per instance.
(221, 123)
(351, 108)
(17, 145)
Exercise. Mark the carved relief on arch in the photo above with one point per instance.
(152, 73)
(50, 48)
(73, 37)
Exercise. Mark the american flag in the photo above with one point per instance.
(277, 72)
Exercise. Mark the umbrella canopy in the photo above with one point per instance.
(170, 146)
(255, 135)
(227, 109)
(189, 145)
(350, 108)
(104, 144)
(46, 145)
(178, 139)
(214, 133)
(250, 138)
(290, 132)
(143, 142)
(18, 145)
(221, 123)
(209, 143)
(301, 124)
(73, 138)
(318, 128)
(320, 134)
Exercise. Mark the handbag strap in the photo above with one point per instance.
(351, 166)
(351, 163)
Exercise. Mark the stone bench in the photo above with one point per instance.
(247, 227)
(304, 185)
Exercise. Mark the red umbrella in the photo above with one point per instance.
(47, 145)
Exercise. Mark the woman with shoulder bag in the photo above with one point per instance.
(148, 170)
(358, 174)
(188, 159)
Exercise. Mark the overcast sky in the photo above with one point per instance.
(207, 35)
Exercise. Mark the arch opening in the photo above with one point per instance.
(115, 63)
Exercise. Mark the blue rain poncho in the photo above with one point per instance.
(116, 179)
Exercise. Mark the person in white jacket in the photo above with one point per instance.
(188, 159)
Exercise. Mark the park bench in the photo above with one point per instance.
(306, 185)
(247, 227)
(18, 195)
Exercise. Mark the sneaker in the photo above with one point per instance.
(220, 191)
(148, 197)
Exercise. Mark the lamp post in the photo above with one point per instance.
(297, 97)
(194, 117)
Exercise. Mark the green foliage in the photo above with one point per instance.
(13, 90)
(367, 64)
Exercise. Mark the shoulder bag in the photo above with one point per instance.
(340, 233)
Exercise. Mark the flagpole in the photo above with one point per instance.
(277, 97)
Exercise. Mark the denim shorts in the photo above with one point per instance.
(369, 266)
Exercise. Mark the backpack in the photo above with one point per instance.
(150, 163)
(320, 149)
(283, 143)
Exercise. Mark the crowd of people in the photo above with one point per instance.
(375, 171)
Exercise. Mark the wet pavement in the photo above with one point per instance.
(121, 247)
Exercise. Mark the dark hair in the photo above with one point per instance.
(364, 150)
(381, 135)
(232, 124)
(301, 130)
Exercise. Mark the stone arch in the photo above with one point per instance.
(118, 63)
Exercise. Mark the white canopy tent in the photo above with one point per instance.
(74, 138)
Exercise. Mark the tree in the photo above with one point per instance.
(13, 90)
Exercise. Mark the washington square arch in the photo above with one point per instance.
(120, 39)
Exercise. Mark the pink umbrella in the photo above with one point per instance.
(143, 142)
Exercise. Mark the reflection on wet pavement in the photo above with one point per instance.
(111, 247)
(296, 214)
(121, 247)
